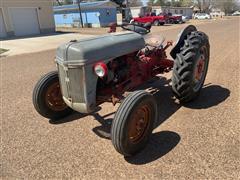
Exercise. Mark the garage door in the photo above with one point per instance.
(25, 21)
(2, 26)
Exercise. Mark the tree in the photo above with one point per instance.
(157, 2)
(204, 5)
(57, 3)
(176, 3)
(66, 2)
(118, 2)
(187, 3)
(134, 3)
(228, 6)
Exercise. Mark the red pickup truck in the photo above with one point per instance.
(160, 19)
(174, 19)
(155, 20)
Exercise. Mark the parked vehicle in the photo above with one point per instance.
(174, 18)
(236, 13)
(185, 19)
(202, 16)
(110, 68)
(150, 18)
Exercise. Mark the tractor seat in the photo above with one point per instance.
(154, 40)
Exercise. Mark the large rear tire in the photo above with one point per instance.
(47, 97)
(133, 123)
(190, 66)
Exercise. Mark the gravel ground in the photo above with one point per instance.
(197, 141)
(98, 31)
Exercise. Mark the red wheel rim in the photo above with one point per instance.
(139, 124)
(54, 98)
(200, 69)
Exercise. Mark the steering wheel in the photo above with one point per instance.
(135, 28)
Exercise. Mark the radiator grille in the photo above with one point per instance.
(71, 80)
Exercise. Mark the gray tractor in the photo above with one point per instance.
(111, 67)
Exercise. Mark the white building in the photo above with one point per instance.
(216, 13)
(25, 17)
(185, 11)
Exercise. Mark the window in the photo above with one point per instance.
(108, 13)
(64, 16)
(181, 11)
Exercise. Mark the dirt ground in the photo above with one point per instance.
(98, 31)
(197, 141)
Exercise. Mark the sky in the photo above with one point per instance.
(144, 2)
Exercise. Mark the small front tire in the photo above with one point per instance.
(133, 123)
(47, 97)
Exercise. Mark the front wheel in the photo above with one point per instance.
(133, 123)
(190, 66)
(47, 97)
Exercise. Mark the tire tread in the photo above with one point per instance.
(183, 66)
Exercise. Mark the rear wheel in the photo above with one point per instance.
(133, 123)
(170, 21)
(134, 22)
(162, 23)
(156, 23)
(47, 97)
(190, 66)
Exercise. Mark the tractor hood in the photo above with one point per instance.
(91, 50)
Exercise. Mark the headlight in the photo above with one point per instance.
(100, 69)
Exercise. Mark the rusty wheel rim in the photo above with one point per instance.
(54, 98)
(139, 124)
(200, 69)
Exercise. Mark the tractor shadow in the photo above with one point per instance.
(160, 144)
(211, 95)
(104, 130)
(72, 117)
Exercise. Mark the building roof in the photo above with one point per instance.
(86, 6)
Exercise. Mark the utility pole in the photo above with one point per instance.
(80, 12)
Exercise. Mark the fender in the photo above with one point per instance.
(180, 39)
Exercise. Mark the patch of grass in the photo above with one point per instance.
(3, 50)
